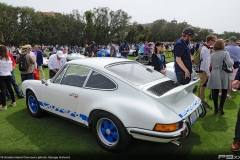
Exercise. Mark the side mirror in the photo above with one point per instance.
(44, 81)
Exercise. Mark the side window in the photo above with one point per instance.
(75, 76)
(98, 81)
(59, 77)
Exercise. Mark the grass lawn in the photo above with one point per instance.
(21, 134)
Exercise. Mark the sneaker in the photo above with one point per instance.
(220, 94)
(206, 105)
(21, 96)
(228, 96)
(3, 108)
(234, 90)
(13, 104)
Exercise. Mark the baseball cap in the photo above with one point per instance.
(233, 38)
(60, 54)
(24, 48)
(60, 48)
(189, 31)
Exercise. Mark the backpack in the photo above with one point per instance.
(23, 65)
(197, 58)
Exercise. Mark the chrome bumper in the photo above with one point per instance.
(183, 132)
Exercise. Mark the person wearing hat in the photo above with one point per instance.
(182, 56)
(234, 52)
(55, 62)
(28, 74)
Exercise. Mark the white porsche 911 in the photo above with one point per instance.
(119, 99)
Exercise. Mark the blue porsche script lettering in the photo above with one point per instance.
(196, 103)
(63, 111)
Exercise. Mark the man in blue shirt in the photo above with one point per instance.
(234, 52)
(124, 49)
(137, 49)
(141, 51)
(182, 58)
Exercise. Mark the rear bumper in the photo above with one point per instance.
(165, 137)
(160, 136)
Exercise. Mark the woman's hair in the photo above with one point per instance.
(3, 52)
(219, 45)
(157, 44)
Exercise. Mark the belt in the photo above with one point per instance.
(200, 71)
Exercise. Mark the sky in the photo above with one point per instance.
(219, 15)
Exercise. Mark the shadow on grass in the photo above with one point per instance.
(212, 122)
(53, 135)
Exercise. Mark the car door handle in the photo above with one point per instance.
(73, 95)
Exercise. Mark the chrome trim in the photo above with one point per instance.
(59, 72)
(156, 134)
(86, 80)
(63, 74)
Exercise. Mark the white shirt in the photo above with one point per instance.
(5, 67)
(54, 63)
(133, 47)
(205, 63)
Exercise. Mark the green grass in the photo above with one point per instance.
(21, 134)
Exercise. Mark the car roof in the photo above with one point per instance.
(98, 62)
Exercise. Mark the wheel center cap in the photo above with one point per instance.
(108, 131)
(32, 104)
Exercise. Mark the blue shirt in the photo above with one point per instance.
(161, 61)
(137, 46)
(182, 50)
(142, 48)
(234, 52)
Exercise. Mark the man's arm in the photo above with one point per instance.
(50, 65)
(180, 63)
(179, 52)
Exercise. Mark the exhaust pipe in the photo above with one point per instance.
(175, 142)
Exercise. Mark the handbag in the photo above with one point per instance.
(226, 68)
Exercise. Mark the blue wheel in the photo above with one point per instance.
(109, 132)
(32, 105)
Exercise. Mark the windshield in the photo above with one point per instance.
(135, 73)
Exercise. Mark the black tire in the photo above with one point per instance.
(115, 127)
(33, 106)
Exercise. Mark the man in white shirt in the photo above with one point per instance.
(204, 71)
(55, 62)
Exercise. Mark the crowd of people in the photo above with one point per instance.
(217, 65)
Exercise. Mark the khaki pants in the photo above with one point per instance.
(41, 70)
(201, 88)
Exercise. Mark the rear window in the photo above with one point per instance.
(135, 73)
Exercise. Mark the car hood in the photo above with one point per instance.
(178, 98)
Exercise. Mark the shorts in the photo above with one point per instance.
(231, 76)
